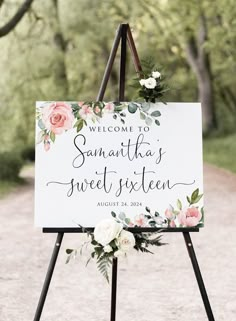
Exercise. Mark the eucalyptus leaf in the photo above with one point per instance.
(132, 108)
(41, 124)
(156, 113)
(122, 216)
(157, 122)
(142, 115)
(113, 214)
(145, 106)
(148, 121)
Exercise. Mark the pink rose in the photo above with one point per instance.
(109, 108)
(140, 220)
(57, 117)
(86, 112)
(172, 224)
(190, 217)
(169, 214)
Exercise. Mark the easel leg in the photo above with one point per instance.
(48, 276)
(114, 289)
(198, 275)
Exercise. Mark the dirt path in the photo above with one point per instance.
(160, 287)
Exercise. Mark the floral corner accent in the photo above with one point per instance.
(190, 215)
(55, 118)
(110, 240)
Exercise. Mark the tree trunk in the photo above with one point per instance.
(199, 61)
(59, 66)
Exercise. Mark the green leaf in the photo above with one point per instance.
(156, 113)
(147, 209)
(157, 122)
(148, 121)
(197, 199)
(194, 195)
(132, 108)
(179, 204)
(127, 220)
(188, 199)
(122, 216)
(145, 106)
(52, 136)
(142, 115)
(41, 124)
(157, 214)
(113, 214)
(69, 251)
(80, 125)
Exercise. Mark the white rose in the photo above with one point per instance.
(107, 249)
(150, 83)
(156, 74)
(142, 82)
(119, 253)
(125, 241)
(106, 231)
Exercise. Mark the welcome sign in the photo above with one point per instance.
(140, 162)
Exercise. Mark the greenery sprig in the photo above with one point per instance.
(150, 82)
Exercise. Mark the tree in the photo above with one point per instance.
(16, 18)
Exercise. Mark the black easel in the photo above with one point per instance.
(124, 35)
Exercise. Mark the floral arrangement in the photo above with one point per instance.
(110, 240)
(190, 215)
(150, 82)
(55, 118)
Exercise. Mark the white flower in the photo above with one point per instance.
(106, 231)
(142, 82)
(156, 74)
(125, 241)
(150, 83)
(119, 253)
(107, 249)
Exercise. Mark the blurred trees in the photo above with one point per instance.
(60, 48)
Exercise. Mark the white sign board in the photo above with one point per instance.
(139, 161)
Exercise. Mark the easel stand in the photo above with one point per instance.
(123, 35)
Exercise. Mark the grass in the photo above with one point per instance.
(9, 186)
(221, 151)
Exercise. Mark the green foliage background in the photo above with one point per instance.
(61, 55)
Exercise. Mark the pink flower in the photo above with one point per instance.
(109, 108)
(46, 138)
(46, 146)
(97, 110)
(169, 214)
(189, 217)
(80, 103)
(86, 112)
(172, 224)
(140, 220)
(57, 117)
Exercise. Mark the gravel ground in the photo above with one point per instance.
(150, 287)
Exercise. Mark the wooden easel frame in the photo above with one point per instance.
(123, 35)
